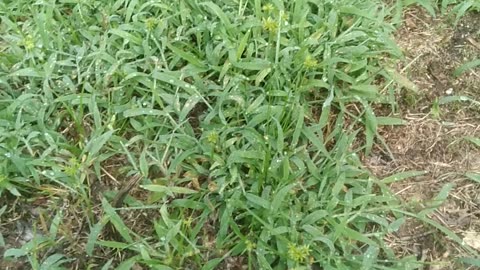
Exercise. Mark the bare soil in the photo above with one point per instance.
(435, 137)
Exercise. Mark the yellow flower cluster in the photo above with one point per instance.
(310, 62)
(298, 254)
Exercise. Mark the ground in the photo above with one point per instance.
(437, 140)
(435, 137)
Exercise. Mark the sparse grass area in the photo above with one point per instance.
(200, 135)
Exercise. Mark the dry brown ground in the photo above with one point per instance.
(434, 138)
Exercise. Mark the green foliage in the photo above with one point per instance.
(233, 112)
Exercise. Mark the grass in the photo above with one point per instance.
(199, 135)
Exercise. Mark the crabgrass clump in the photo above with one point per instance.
(235, 121)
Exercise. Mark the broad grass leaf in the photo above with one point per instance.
(188, 106)
(462, 8)
(107, 265)
(26, 72)
(116, 221)
(126, 36)
(280, 196)
(225, 220)
(280, 142)
(450, 99)
(350, 9)
(426, 4)
(364, 91)
(128, 264)
(188, 56)
(52, 262)
(438, 226)
(219, 12)
(254, 64)
(315, 216)
(261, 76)
(168, 189)
(470, 261)
(256, 200)
(212, 264)
(94, 233)
(352, 234)
(369, 257)
(396, 224)
(242, 45)
(242, 156)
(474, 140)
(130, 10)
(473, 176)
(113, 244)
(465, 67)
(96, 143)
(298, 125)
(142, 111)
(438, 200)
(401, 176)
(371, 128)
(255, 104)
(390, 121)
(317, 141)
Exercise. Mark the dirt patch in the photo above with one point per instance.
(436, 138)
(434, 49)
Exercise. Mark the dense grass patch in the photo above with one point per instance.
(240, 123)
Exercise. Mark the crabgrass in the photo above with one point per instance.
(232, 130)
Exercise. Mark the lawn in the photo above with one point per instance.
(193, 134)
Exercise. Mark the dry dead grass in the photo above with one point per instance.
(436, 143)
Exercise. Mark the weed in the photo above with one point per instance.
(232, 115)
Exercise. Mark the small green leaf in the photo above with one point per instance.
(116, 220)
(315, 216)
(189, 105)
(188, 56)
(366, 91)
(279, 197)
(261, 76)
(169, 190)
(390, 121)
(212, 264)
(107, 265)
(142, 111)
(401, 176)
(467, 66)
(369, 257)
(14, 252)
(258, 200)
(126, 36)
(371, 129)
(130, 10)
(470, 261)
(93, 236)
(26, 72)
(128, 264)
(219, 12)
(474, 140)
(52, 262)
(450, 99)
(241, 46)
(96, 143)
(473, 176)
